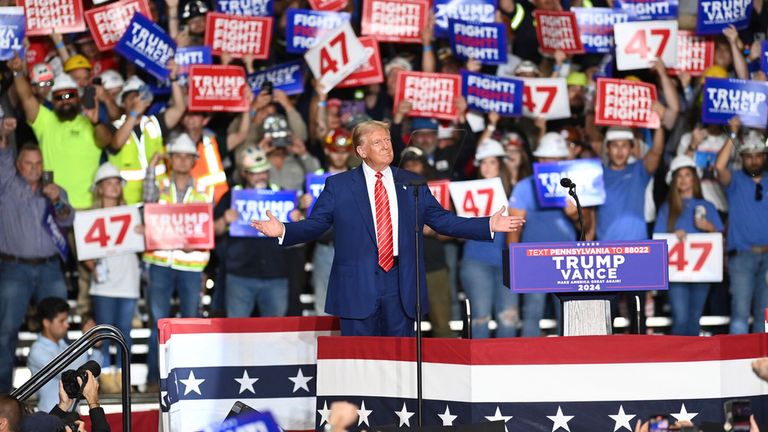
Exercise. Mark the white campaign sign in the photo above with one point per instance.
(698, 259)
(640, 42)
(546, 97)
(106, 232)
(336, 56)
(475, 198)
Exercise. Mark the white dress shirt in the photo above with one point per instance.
(389, 185)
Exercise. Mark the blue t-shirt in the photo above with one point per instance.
(622, 216)
(748, 217)
(541, 224)
(685, 221)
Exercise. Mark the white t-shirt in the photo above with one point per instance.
(122, 274)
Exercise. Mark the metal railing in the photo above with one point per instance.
(72, 353)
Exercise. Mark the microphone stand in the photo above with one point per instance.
(572, 192)
(419, 379)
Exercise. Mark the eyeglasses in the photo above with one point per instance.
(758, 192)
(65, 96)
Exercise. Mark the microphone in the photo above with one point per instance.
(567, 183)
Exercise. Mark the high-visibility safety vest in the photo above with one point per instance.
(208, 170)
(179, 259)
(134, 156)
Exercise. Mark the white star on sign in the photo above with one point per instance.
(684, 415)
(499, 417)
(622, 419)
(246, 382)
(560, 420)
(300, 381)
(192, 384)
(363, 414)
(405, 416)
(325, 413)
(447, 417)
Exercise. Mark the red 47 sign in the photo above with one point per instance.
(697, 259)
(546, 97)
(478, 198)
(640, 42)
(336, 56)
(106, 232)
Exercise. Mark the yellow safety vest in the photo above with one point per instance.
(179, 259)
(134, 156)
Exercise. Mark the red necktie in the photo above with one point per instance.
(383, 225)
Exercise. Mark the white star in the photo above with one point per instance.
(300, 381)
(246, 382)
(192, 384)
(447, 417)
(405, 416)
(325, 413)
(622, 419)
(560, 420)
(363, 414)
(498, 416)
(684, 415)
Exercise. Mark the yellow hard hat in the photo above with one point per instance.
(77, 61)
(634, 78)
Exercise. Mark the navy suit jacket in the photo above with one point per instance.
(344, 205)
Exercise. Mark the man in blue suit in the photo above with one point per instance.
(372, 208)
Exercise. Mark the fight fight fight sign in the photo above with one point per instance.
(557, 31)
(238, 36)
(395, 20)
(431, 94)
(108, 23)
(625, 103)
(43, 16)
(486, 43)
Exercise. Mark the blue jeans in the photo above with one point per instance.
(489, 297)
(687, 301)
(322, 260)
(119, 313)
(20, 283)
(271, 294)
(163, 282)
(749, 290)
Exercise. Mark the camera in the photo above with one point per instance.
(69, 378)
(267, 87)
(89, 97)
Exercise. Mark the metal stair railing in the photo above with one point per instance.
(73, 352)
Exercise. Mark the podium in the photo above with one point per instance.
(586, 277)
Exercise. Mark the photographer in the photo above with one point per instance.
(65, 409)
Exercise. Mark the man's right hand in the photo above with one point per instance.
(271, 227)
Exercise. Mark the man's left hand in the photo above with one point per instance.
(52, 192)
(503, 223)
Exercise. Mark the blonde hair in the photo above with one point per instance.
(365, 128)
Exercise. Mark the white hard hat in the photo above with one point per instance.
(133, 83)
(619, 133)
(552, 145)
(105, 171)
(678, 162)
(182, 143)
(489, 148)
(63, 82)
(111, 79)
(753, 143)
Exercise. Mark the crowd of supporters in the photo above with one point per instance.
(91, 119)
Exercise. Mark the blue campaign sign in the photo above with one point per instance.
(596, 27)
(715, 15)
(649, 10)
(725, 98)
(305, 27)
(486, 43)
(193, 55)
(477, 11)
(605, 68)
(487, 93)
(587, 267)
(288, 77)
(587, 174)
(246, 7)
(315, 183)
(13, 25)
(249, 422)
(764, 55)
(253, 204)
(147, 45)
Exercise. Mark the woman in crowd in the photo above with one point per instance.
(686, 212)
